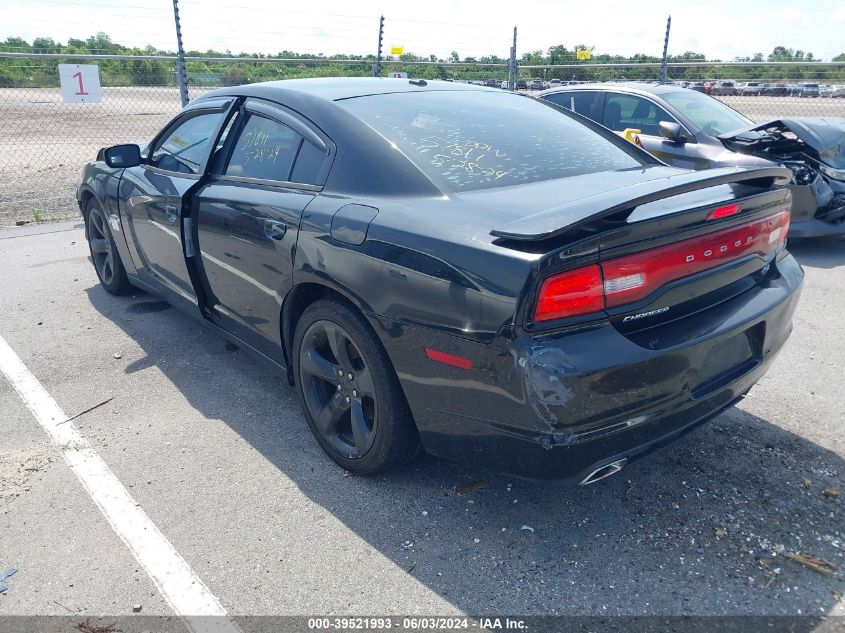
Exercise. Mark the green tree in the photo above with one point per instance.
(45, 45)
(15, 45)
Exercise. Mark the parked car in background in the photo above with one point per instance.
(750, 89)
(521, 84)
(554, 83)
(724, 89)
(708, 87)
(687, 129)
(536, 84)
(774, 90)
(805, 90)
(552, 310)
(698, 86)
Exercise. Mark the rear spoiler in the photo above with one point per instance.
(558, 220)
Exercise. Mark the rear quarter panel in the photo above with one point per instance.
(409, 269)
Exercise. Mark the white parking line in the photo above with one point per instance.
(183, 590)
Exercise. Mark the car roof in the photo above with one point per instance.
(337, 88)
(633, 87)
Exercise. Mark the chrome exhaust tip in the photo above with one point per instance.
(604, 472)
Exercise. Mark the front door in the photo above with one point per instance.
(155, 193)
(626, 111)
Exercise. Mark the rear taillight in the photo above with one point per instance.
(634, 277)
(631, 278)
(570, 294)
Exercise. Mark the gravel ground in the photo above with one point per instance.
(214, 449)
(46, 142)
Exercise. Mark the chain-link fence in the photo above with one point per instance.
(45, 141)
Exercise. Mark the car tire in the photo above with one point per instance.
(350, 395)
(104, 254)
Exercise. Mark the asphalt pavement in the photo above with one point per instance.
(212, 447)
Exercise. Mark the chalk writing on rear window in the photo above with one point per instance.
(264, 150)
(468, 139)
(459, 159)
(468, 156)
(257, 145)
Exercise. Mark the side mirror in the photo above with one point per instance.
(122, 156)
(672, 131)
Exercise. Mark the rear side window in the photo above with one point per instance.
(468, 140)
(265, 150)
(184, 149)
(308, 164)
(580, 101)
(628, 111)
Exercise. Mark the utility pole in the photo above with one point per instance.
(665, 48)
(377, 65)
(181, 74)
(512, 64)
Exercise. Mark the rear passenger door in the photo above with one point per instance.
(248, 215)
(626, 111)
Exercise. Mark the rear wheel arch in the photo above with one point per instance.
(296, 302)
(398, 440)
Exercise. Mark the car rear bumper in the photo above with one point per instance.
(559, 407)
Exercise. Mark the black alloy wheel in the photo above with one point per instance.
(104, 253)
(338, 389)
(350, 394)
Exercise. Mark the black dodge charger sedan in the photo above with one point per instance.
(454, 268)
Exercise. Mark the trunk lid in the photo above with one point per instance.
(605, 202)
(665, 251)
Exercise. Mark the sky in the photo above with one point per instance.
(721, 29)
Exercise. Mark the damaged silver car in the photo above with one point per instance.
(685, 128)
(814, 150)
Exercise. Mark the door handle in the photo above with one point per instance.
(172, 213)
(275, 230)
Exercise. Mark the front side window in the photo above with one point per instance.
(265, 149)
(184, 149)
(710, 114)
(468, 140)
(623, 112)
(580, 101)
